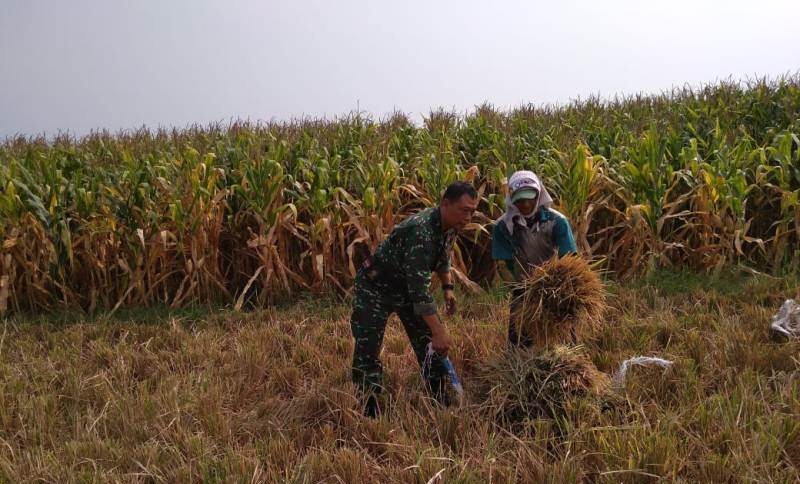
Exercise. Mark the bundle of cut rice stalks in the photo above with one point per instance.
(560, 301)
(522, 385)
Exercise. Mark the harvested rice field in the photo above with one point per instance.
(218, 395)
(174, 303)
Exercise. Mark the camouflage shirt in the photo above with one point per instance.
(405, 260)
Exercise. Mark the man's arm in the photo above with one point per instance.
(446, 279)
(418, 260)
(440, 339)
(417, 263)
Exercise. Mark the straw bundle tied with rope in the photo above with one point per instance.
(521, 385)
(560, 301)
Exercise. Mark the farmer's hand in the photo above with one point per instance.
(441, 342)
(450, 302)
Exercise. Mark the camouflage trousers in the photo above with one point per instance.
(372, 307)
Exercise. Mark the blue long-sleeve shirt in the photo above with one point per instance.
(550, 233)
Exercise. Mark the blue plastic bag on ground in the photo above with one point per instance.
(455, 382)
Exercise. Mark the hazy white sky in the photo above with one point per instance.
(77, 65)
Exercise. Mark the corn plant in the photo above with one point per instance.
(249, 213)
(576, 181)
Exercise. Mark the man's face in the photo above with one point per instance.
(458, 213)
(526, 206)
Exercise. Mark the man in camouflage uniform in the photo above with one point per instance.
(396, 279)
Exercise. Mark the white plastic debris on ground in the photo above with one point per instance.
(618, 380)
(787, 321)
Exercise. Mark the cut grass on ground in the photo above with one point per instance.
(150, 396)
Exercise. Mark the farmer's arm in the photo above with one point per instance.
(563, 238)
(502, 248)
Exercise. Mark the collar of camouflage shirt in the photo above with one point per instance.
(448, 236)
(436, 223)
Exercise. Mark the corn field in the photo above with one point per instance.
(251, 213)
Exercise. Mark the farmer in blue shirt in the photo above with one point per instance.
(528, 234)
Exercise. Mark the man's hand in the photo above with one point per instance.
(441, 342)
(440, 339)
(450, 302)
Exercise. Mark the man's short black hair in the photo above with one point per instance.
(457, 189)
